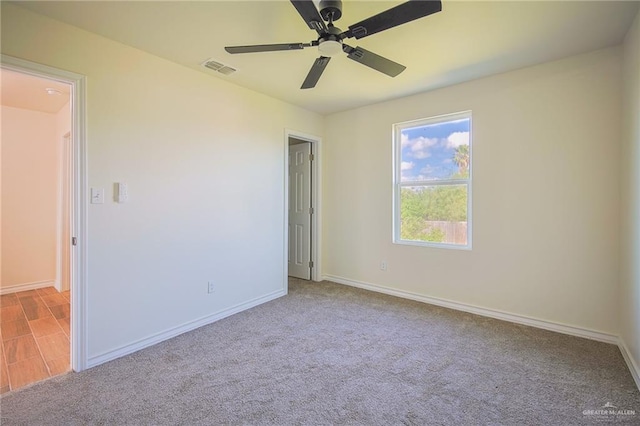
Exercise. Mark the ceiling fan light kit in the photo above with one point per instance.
(330, 48)
(330, 38)
(330, 44)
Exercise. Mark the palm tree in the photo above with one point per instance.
(461, 158)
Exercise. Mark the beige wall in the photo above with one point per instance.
(545, 195)
(630, 230)
(204, 161)
(29, 202)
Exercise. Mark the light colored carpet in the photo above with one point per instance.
(330, 354)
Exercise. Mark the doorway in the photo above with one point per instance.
(70, 220)
(303, 206)
(36, 331)
(300, 209)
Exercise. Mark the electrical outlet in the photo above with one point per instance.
(383, 265)
(210, 287)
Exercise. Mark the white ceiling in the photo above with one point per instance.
(467, 40)
(29, 92)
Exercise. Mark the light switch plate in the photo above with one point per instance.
(97, 195)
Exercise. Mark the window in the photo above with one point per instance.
(432, 181)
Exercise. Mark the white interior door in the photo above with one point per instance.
(300, 210)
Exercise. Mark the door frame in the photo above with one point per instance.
(316, 202)
(78, 198)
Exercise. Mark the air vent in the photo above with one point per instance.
(219, 67)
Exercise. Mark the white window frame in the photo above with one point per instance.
(398, 184)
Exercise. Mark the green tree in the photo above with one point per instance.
(446, 203)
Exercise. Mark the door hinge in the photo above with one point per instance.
(74, 241)
(311, 157)
(311, 264)
(310, 210)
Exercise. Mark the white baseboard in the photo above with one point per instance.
(173, 332)
(27, 286)
(485, 312)
(631, 363)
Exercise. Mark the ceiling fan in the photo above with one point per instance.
(330, 38)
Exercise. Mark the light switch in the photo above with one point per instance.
(122, 192)
(97, 196)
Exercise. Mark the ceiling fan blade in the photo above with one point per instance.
(398, 15)
(315, 72)
(370, 59)
(266, 47)
(310, 14)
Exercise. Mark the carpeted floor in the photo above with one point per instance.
(330, 354)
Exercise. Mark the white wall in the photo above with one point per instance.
(545, 194)
(630, 229)
(204, 160)
(29, 204)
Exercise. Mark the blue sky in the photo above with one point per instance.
(427, 151)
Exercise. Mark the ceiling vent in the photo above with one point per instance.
(219, 67)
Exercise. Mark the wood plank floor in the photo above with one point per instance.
(35, 335)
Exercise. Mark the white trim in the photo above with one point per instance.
(485, 312)
(27, 286)
(184, 328)
(631, 363)
(316, 197)
(78, 273)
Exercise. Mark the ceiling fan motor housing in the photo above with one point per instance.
(331, 10)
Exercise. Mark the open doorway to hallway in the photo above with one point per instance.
(35, 228)
(303, 204)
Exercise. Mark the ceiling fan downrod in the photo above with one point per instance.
(330, 42)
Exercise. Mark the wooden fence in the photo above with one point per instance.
(454, 232)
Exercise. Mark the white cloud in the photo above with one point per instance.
(457, 138)
(404, 140)
(407, 165)
(420, 146)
